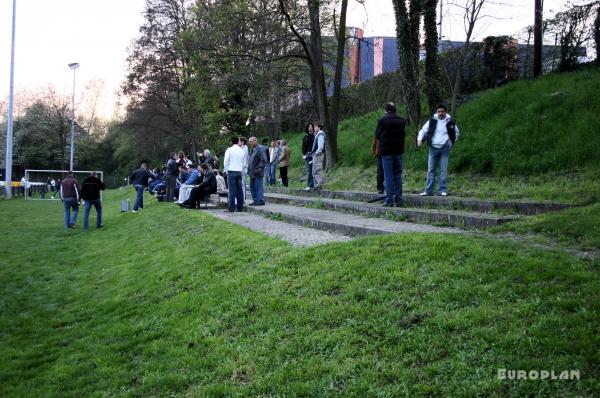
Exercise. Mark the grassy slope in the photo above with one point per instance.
(533, 139)
(173, 302)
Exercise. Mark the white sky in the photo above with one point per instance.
(96, 33)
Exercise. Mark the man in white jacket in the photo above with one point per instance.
(234, 164)
(440, 132)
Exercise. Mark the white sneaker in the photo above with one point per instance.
(307, 188)
(444, 193)
(424, 194)
(134, 211)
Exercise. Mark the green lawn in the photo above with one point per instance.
(176, 303)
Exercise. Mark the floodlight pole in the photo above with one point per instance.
(73, 66)
(9, 130)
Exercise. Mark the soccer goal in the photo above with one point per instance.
(45, 184)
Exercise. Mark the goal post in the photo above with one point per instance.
(39, 186)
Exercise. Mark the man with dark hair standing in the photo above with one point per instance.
(233, 165)
(70, 195)
(307, 144)
(139, 179)
(257, 163)
(440, 132)
(90, 193)
(172, 174)
(390, 135)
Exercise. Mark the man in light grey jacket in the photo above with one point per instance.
(440, 132)
(318, 156)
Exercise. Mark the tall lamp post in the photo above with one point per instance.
(73, 66)
(9, 130)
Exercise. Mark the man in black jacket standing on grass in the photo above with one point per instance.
(391, 135)
(90, 193)
(139, 179)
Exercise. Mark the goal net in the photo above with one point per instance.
(45, 184)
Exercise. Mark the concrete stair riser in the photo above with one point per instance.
(449, 202)
(425, 216)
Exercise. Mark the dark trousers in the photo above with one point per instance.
(235, 195)
(171, 184)
(283, 173)
(380, 186)
(197, 196)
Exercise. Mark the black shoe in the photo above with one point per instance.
(72, 226)
(100, 226)
(260, 204)
(253, 204)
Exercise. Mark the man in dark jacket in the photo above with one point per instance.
(390, 135)
(70, 195)
(139, 179)
(172, 173)
(90, 193)
(205, 188)
(307, 144)
(257, 162)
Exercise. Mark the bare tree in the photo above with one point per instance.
(471, 15)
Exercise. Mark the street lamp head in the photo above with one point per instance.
(74, 65)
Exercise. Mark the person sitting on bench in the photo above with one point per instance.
(203, 190)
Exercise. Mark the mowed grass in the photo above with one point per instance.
(176, 303)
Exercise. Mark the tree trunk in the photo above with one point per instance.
(432, 70)
(337, 87)
(537, 39)
(407, 32)
(597, 35)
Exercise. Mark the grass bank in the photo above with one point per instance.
(173, 302)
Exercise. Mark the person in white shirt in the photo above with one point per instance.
(234, 164)
(440, 132)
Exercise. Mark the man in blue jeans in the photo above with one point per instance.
(390, 135)
(90, 193)
(307, 144)
(440, 132)
(139, 179)
(257, 163)
(233, 165)
(70, 196)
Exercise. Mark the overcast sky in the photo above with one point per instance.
(96, 33)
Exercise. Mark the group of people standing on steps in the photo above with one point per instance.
(440, 133)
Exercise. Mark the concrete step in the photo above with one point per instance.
(449, 202)
(342, 223)
(419, 215)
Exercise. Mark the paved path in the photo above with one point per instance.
(296, 235)
(320, 217)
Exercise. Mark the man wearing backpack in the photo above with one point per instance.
(440, 133)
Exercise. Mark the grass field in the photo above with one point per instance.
(176, 303)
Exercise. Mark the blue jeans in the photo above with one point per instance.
(70, 203)
(273, 173)
(139, 199)
(310, 182)
(87, 205)
(257, 190)
(267, 174)
(235, 193)
(436, 155)
(392, 175)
